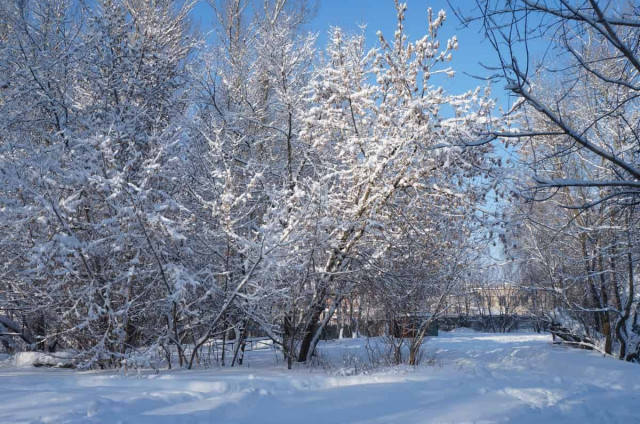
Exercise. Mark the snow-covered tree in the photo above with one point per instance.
(89, 180)
(384, 149)
(162, 194)
(579, 122)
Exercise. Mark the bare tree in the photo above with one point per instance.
(578, 124)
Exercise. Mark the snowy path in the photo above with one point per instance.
(478, 378)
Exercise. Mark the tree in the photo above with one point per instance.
(246, 146)
(579, 120)
(90, 177)
(165, 196)
(382, 143)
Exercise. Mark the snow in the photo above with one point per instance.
(475, 378)
(30, 359)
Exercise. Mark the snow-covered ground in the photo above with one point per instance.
(475, 378)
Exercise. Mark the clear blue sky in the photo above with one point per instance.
(473, 50)
(381, 15)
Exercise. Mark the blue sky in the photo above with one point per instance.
(474, 50)
(381, 15)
